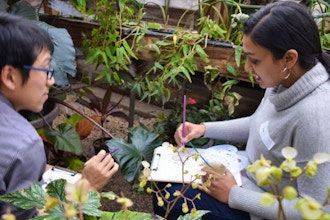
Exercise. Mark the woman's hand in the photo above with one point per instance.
(99, 169)
(219, 184)
(192, 131)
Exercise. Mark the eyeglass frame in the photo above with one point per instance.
(49, 72)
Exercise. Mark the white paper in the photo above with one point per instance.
(167, 166)
(55, 173)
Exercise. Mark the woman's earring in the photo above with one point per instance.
(289, 72)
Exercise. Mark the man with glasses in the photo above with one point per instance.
(25, 78)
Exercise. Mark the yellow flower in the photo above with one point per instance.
(160, 201)
(311, 168)
(185, 208)
(77, 192)
(51, 202)
(262, 175)
(193, 212)
(289, 152)
(262, 163)
(125, 202)
(177, 193)
(145, 164)
(276, 172)
(70, 211)
(309, 208)
(267, 199)
(321, 157)
(289, 193)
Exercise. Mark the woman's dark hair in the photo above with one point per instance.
(21, 41)
(281, 26)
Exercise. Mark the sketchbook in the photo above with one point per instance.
(54, 172)
(167, 166)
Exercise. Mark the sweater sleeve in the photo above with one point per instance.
(236, 130)
(249, 200)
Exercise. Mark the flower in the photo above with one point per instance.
(191, 101)
(77, 192)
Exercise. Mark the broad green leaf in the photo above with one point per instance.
(91, 207)
(130, 155)
(131, 215)
(26, 198)
(56, 189)
(65, 139)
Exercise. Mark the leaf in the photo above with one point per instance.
(199, 214)
(75, 163)
(202, 53)
(231, 70)
(109, 195)
(238, 55)
(106, 101)
(91, 207)
(26, 198)
(56, 189)
(130, 155)
(131, 215)
(128, 49)
(84, 127)
(74, 119)
(145, 141)
(66, 139)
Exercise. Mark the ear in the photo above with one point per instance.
(291, 58)
(9, 77)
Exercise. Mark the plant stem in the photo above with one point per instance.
(82, 114)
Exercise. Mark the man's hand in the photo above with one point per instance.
(99, 169)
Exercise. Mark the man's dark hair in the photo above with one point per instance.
(21, 41)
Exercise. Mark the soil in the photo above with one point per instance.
(142, 202)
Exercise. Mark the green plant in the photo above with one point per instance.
(270, 176)
(62, 200)
(321, 12)
(108, 45)
(65, 141)
(221, 107)
(123, 35)
(131, 154)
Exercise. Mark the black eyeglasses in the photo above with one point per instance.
(50, 71)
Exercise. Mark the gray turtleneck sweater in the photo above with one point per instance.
(299, 117)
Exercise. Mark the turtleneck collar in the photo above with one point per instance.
(283, 98)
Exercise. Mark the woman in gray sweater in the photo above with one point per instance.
(282, 46)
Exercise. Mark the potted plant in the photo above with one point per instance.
(103, 108)
(123, 36)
